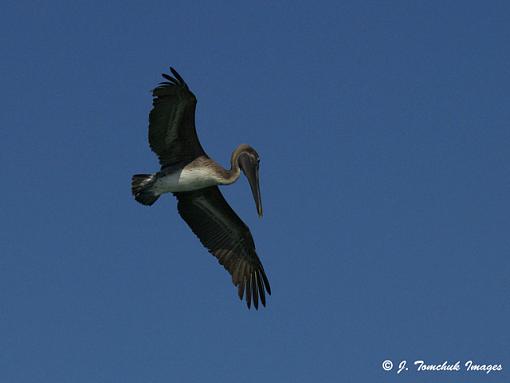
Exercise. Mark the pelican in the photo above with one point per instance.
(193, 178)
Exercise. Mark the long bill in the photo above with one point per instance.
(251, 171)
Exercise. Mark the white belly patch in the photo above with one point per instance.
(185, 180)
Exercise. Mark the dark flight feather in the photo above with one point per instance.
(178, 77)
(172, 132)
(227, 237)
(170, 79)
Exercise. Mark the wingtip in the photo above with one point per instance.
(253, 289)
(248, 292)
(240, 290)
(178, 76)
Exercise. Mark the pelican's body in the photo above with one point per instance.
(193, 177)
(198, 174)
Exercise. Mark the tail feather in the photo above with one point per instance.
(141, 187)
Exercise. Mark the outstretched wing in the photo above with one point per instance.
(172, 133)
(227, 237)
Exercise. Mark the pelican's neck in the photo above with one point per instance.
(233, 174)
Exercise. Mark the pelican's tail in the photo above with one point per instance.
(141, 187)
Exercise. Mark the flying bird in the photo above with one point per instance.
(193, 178)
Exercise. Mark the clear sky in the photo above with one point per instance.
(384, 136)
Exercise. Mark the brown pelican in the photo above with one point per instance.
(189, 173)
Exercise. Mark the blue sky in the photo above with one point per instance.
(383, 131)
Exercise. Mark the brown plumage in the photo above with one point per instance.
(192, 176)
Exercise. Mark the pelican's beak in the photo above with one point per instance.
(250, 169)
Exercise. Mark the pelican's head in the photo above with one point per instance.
(248, 160)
